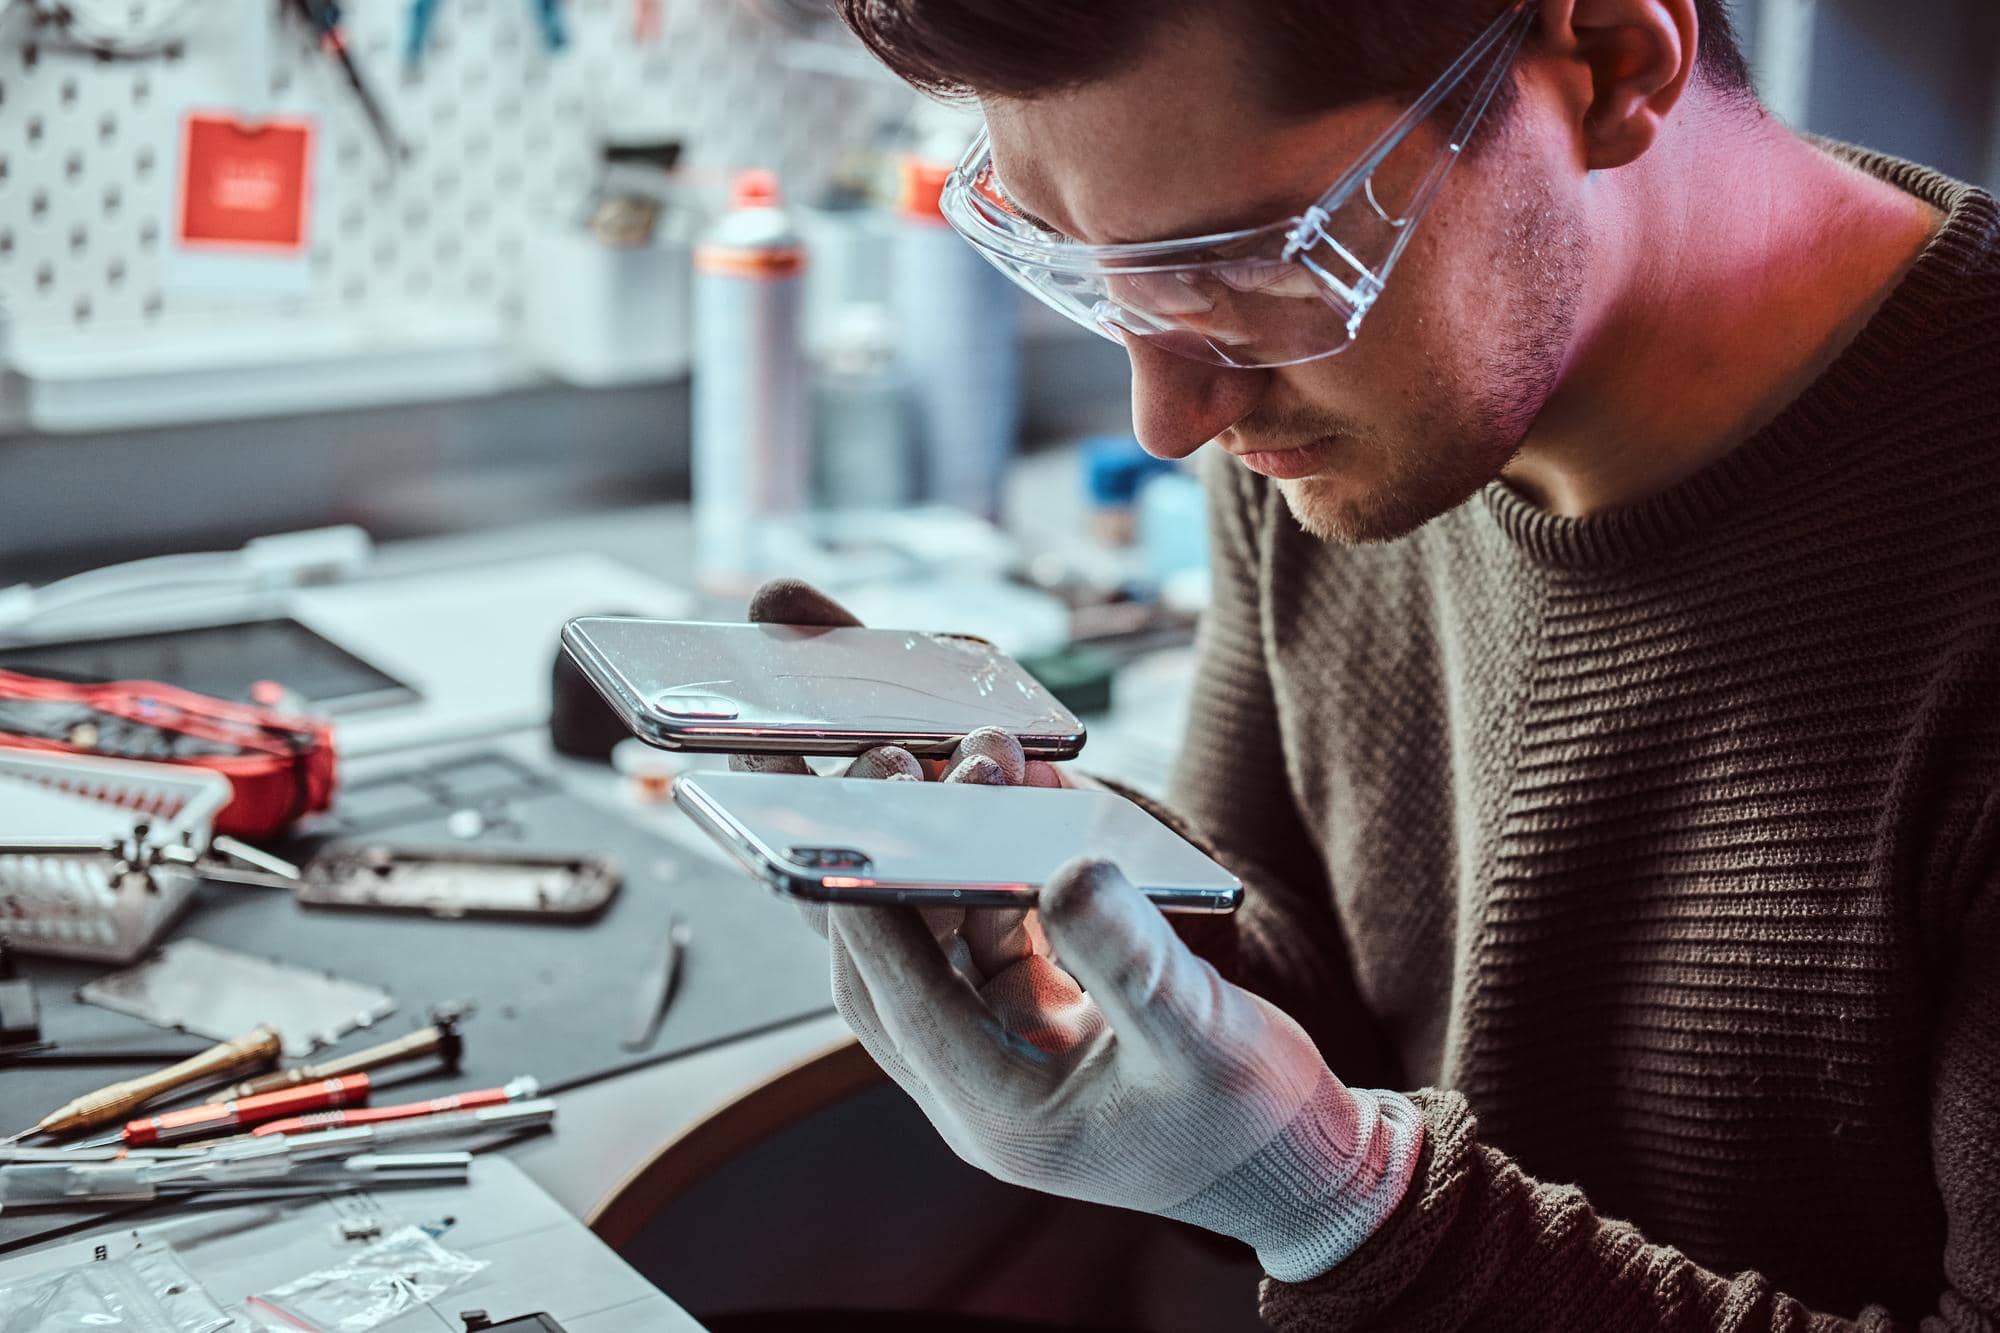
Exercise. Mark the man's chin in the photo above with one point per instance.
(1333, 509)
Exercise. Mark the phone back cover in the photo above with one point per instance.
(886, 682)
(948, 835)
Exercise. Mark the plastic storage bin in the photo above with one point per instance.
(87, 904)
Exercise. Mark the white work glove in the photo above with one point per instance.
(1083, 1049)
(1088, 1052)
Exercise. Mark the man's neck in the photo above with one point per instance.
(1741, 262)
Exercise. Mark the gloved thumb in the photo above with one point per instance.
(1114, 941)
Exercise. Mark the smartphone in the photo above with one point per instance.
(797, 689)
(850, 840)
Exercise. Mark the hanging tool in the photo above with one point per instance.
(216, 1119)
(417, 36)
(656, 988)
(441, 1038)
(519, 1089)
(648, 19)
(548, 13)
(323, 17)
(259, 1048)
(423, 13)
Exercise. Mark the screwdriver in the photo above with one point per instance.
(260, 1047)
(218, 1118)
(514, 1091)
(441, 1038)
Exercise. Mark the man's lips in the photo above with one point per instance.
(1290, 464)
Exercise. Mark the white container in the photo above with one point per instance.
(72, 905)
(598, 315)
(752, 446)
(958, 322)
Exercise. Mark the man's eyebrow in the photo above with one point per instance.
(1240, 217)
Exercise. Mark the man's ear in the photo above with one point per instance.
(1627, 62)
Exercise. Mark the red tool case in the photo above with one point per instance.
(280, 766)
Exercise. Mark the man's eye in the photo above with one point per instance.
(989, 185)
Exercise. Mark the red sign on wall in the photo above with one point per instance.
(244, 188)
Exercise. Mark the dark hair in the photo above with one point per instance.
(1314, 54)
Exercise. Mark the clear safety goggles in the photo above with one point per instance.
(1275, 295)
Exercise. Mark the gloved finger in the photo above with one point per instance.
(857, 1009)
(993, 744)
(1042, 1004)
(887, 761)
(796, 602)
(1117, 943)
(813, 914)
(999, 937)
(768, 763)
(938, 1023)
(977, 770)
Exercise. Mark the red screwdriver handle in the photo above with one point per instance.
(462, 1101)
(218, 1118)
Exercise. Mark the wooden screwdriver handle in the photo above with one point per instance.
(424, 1041)
(261, 1046)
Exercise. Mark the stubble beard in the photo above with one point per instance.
(1471, 419)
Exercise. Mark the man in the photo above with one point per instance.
(1598, 698)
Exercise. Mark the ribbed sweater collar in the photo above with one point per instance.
(1816, 425)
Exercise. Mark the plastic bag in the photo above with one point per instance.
(400, 1272)
(147, 1291)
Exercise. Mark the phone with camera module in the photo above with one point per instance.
(849, 840)
(813, 690)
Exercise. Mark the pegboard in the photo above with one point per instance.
(502, 137)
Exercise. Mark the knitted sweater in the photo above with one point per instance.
(1659, 849)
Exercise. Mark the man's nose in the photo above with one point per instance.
(1179, 404)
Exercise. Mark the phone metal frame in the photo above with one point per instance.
(788, 877)
(695, 737)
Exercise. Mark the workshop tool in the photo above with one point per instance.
(216, 1119)
(138, 1179)
(96, 854)
(257, 1048)
(656, 988)
(505, 1118)
(280, 767)
(323, 17)
(441, 1038)
(519, 1089)
(423, 13)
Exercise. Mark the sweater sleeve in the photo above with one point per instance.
(1477, 1244)
(1231, 786)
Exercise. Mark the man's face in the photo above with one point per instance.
(1451, 366)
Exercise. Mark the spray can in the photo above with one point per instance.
(752, 449)
(958, 320)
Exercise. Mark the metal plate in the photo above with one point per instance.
(192, 986)
(461, 883)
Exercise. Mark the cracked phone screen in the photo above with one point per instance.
(800, 678)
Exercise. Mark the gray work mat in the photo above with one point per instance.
(552, 1001)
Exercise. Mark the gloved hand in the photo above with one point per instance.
(1082, 1049)
(1087, 1052)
